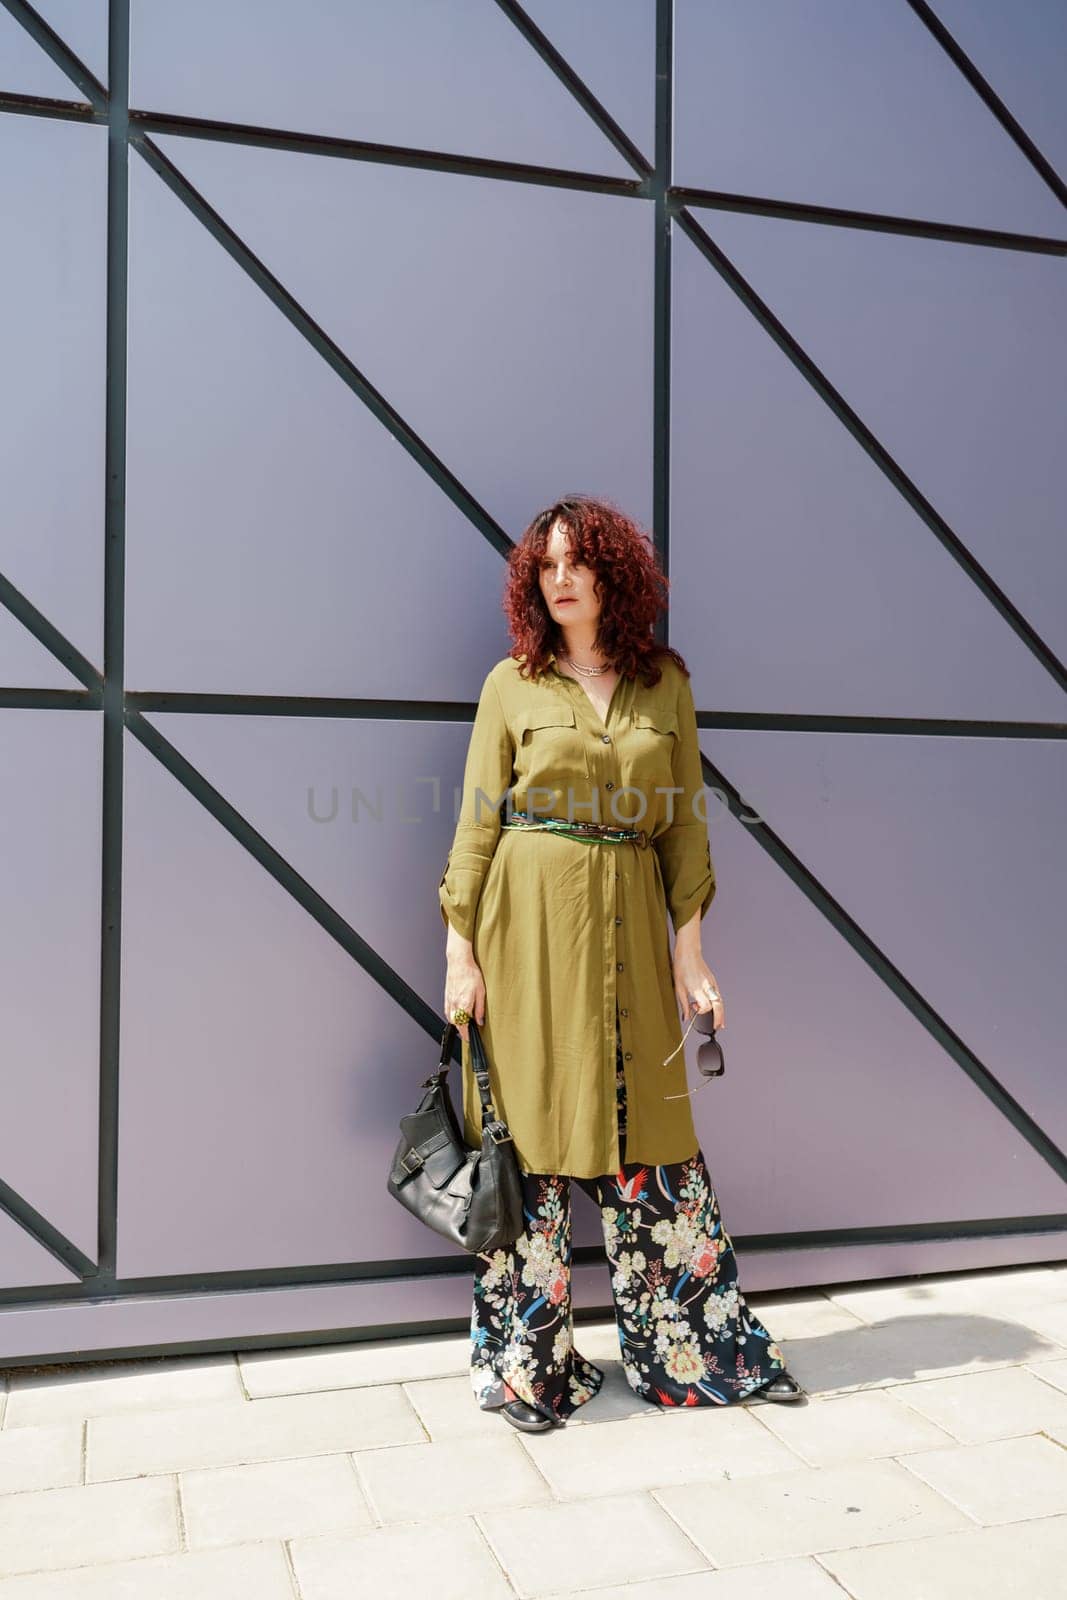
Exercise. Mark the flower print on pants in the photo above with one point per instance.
(686, 1333)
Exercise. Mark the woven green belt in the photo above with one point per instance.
(594, 832)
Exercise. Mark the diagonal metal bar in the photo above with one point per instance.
(37, 1225)
(48, 635)
(884, 969)
(50, 700)
(867, 441)
(992, 100)
(283, 873)
(334, 147)
(321, 342)
(557, 63)
(922, 727)
(296, 705)
(682, 196)
(35, 105)
(62, 55)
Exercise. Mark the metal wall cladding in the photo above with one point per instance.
(412, 272)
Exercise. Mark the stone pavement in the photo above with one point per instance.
(930, 1462)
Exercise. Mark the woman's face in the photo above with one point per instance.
(568, 586)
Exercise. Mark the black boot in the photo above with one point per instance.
(528, 1418)
(783, 1386)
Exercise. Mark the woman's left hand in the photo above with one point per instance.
(693, 977)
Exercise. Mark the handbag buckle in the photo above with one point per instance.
(499, 1132)
(410, 1155)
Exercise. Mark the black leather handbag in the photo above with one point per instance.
(472, 1197)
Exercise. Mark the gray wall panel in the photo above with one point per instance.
(937, 846)
(802, 581)
(314, 788)
(838, 1074)
(207, 1082)
(25, 1264)
(447, 291)
(956, 357)
(273, 523)
(50, 963)
(25, 663)
(1020, 49)
(263, 1073)
(26, 69)
(456, 77)
(81, 24)
(52, 198)
(839, 104)
(611, 44)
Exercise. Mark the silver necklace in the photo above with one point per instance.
(587, 672)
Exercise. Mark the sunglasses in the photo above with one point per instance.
(711, 1063)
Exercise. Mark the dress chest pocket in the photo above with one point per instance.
(653, 740)
(549, 750)
(535, 718)
(658, 728)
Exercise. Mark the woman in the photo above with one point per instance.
(581, 824)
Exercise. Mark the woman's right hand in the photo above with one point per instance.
(464, 984)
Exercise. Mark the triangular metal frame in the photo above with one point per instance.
(103, 691)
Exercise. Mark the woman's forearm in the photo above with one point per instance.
(687, 937)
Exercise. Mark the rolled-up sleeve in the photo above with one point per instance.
(487, 776)
(683, 848)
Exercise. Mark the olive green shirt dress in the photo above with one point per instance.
(564, 928)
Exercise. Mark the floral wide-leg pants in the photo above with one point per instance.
(686, 1334)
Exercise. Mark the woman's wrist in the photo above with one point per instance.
(456, 946)
(687, 937)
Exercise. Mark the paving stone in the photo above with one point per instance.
(1009, 1480)
(257, 1571)
(614, 1400)
(420, 1481)
(597, 1341)
(347, 1366)
(802, 1315)
(272, 1500)
(994, 1293)
(96, 1389)
(49, 1528)
(1053, 1372)
(852, 1427)
(800, 1513)
(448, 1559)
(1023, 1561)
(48, 1457)
(256, 1430)
(1048, 1322)
(448, 1410)
(983, 1406)
(703, 1444)
(586, 1543)
(803, 1579)
(907, 1349)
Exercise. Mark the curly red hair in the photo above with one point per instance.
(632, 586)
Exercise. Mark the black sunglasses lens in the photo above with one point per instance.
(711, 1062)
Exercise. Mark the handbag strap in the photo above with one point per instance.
(479, 1066)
